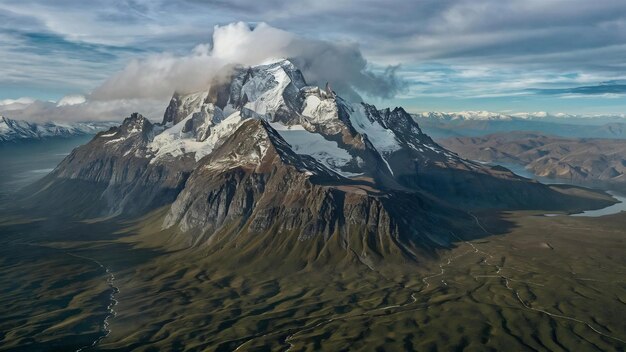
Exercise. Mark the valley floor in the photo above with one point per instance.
(550, 283)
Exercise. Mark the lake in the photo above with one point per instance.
(26, 162)
(611, 209)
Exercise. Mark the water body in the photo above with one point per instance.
(26, 162)
(611, 209)
(520, 170)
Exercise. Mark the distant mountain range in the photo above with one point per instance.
(587, 161)
(263, 161)
(480, 123)
(482, 115)
(17, 130)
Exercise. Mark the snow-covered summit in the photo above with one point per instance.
(263, 128)
(350, 139)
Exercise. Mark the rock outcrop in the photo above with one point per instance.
(263, 153)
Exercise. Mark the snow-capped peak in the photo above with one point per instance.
(14, 130)
(465, 115)
(314, 122)
(497, 116)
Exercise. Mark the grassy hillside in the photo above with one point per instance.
(547, 283)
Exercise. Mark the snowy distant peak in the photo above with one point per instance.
(465, 115)
(537, 115)
(16, 130)
(496, 116)
(8, 126)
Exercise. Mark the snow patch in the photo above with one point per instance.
(174, 142)
(326, 152)
(264, 95)
(108, 134)
(115, 140)
(383, 139)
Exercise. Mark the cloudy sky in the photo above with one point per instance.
(94, 59)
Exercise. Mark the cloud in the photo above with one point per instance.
(69, 100)
(68, 51)
(340, 63)
(601, 89)
(15, 104)
(110, 110)
(145, 85)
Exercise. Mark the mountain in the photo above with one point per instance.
(463, 115)
(480, 123)
(16, 130)
(262, 155)
(482, 115)
(576, 160)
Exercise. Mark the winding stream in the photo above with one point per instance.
(110, 280)
(112, 303)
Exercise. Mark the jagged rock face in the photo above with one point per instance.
(254, 183)
(115, 164)
(262, 152)
(276, 93)
(253, 167)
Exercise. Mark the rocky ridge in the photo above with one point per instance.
(262, 152)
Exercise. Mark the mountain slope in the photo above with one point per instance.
(255, 184)
(576, 160)
(16, 130)
(114, 173)
(263, 153)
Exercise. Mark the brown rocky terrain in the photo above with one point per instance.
(578, 160)
(266, 156)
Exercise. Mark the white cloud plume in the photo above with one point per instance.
(110, 110)
(15, 104)
(146, 85)
(69, 100)
(341, 64)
